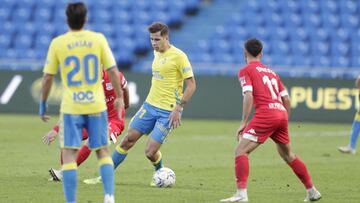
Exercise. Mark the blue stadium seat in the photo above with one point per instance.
(349, 6)
(5, 41)
(42, 41)
(43, 15)
(279, 47)
(340, 61)
(320, 48)
(220, 46)
(273, 19)
(330, 20)
(355, 62)
(312, 7)
(299, 60)
(124, 5)
(22, 14)
(122, 17)
(223, 58)
(23, 41)
(101, 16)
(299, 48)
(340, 49)
(320, 61)
(27, 28)
(4, 14)
(350, 21)
(329, 6)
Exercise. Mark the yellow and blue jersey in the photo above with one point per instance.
(169, 70)
(81, 56)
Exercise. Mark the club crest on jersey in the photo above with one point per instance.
(163, 61)
(109, 86)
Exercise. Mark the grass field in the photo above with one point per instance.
(201, 154)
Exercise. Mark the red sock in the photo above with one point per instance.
(241, 171)
(84, 152)
(301, 172)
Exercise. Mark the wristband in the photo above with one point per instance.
(42, 108)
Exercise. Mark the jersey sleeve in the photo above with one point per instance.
(245, 81)
(185, 67)
(123, 80)
(282, 90)
(107, 57)
(52, 62)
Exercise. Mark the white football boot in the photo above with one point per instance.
(56, 174)
(347, 149)
(239, 196)
(109, 198)
(312, 195)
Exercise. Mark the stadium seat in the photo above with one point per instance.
(5, 41)
(340, 61)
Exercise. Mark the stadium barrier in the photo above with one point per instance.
(217, 97)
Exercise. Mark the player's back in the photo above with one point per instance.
(80, 56)
(265, 85)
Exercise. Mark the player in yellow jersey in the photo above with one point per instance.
(164, 104)
(81, 55)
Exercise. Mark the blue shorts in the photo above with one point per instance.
(152, 120)
(71, 126)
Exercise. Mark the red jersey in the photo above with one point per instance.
(110, 94)
(265, 85)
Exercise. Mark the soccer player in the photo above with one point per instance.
(81, 55)
(164, 104)
(355, 129)
(263, 89)
(116, 124)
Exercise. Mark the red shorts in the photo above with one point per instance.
(115, 128)
(265, 125)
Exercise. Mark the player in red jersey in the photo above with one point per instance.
(116, 124)
(263, 89)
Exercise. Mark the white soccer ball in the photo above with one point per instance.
(164, 177)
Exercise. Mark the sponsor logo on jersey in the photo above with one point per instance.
(109, 86)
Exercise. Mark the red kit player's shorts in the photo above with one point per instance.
(272, 123)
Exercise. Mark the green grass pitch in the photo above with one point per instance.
(201, 154)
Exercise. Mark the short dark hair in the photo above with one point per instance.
(253, 46)
(76, 15)
(159, 27)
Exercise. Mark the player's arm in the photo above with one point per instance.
(50, 69)
(115, 81)
(286, 103)
(51, 135)
(175, 116)
(45, 91)
(126, 97)
(248, 102)
(190, 87)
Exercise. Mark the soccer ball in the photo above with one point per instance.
(164, 177)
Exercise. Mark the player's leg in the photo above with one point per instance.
(121, 150)
(83, 154)
(142, 123)
(242, 151)
(98, 139)
(299, 168)
(152, 152)
(355, 130)
(281, 138)
(255, 133)
(70, 141)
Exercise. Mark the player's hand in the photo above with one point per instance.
(175, 117)
(49, 137)
(240, 130)
(43, 110)
(119, 105)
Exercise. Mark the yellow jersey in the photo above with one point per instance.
(169, 70)
(81, 56)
